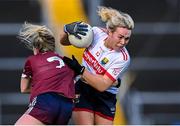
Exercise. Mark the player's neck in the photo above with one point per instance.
(106, 43)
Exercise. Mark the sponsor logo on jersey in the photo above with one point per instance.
(90, 59)
(97, 53)
(104, 61)
(116, 71)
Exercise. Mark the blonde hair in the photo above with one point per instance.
(114, 18)
(39, 37)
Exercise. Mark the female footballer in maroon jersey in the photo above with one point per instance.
(48, 80)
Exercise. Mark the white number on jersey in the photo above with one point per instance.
(55, 58)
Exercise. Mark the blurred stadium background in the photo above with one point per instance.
(149, 93)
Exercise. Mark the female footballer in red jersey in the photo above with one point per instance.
(48, 80)
(104, 62)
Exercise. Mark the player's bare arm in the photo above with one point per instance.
(25, 85)
(104, 82)
(64, 39)
(99, 82)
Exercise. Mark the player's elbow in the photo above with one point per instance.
(102, 88)
(25, 85)
(64, 39)
(24, 91)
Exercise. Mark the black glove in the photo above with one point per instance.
(76, 28)
(74, 65)
(118, 83)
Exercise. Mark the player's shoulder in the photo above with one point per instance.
(100, 29)
(97, 27)
(123, 55)
(54, 54)
(30, 57)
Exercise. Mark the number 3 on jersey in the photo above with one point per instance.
(55, 58)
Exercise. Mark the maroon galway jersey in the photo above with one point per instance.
(49, 73)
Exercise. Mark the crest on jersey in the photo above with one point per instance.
(104, 61)
(97, 54)
(116, 71)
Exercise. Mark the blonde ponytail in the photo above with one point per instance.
(37, 36)
(114, 18)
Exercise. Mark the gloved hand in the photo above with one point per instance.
(76, 28)
(117, 83)
(74, 65)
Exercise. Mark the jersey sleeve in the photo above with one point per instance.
(95, 33)
(117, 69)
(98, 35)
(27, 70)
(95, 30)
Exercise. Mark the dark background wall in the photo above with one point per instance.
(13, 14)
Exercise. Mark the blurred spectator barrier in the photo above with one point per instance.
(153, 108)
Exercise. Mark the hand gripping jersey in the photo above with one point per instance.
(98, 59)
(48, 73)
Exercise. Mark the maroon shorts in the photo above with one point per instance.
(51, 109)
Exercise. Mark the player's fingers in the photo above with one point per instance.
(66, 59)
(76, 35)
(73, 57)
(82, 29)
(82, 25)
(82, 33)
